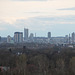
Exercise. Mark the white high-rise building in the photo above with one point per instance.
(8, 39)
(18, 37)
(26, 32)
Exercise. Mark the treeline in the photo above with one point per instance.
(49, 61)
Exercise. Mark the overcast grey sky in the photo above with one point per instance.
(40, 16)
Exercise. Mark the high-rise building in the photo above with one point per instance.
(66, 39)
(49, 34)
(8, 39)
(18, 37)
(69, 39)
(25, 34)
(31, 36)
(0, 38)
(73, 37)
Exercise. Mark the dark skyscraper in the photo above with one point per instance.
(49, 34)
(0, 38)
(73, 37)
(26, 34)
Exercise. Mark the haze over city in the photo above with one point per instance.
(55, 16)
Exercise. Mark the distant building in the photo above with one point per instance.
(8, 39)
(73, 37)
(70, 46)
(66, 39)
(0, 38)
(26, 34)
(41, 40)
(3, 39)
(49, 34)
(69, 39)
(31, 36)
(58, 40)
(18, 37)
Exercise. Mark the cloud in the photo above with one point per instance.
(41, 25)
(5, 0)
(73, 8)
(57, 19)
(2, 28)
(36, 12)
(29, 0)
(6, 28)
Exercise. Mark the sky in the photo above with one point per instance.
(39, 16)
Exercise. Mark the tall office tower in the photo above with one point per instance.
(66, 39)
(25, 34)
(0, 38)
(18, 37)
(8, 39)
(69, 39)
(73, 37)
(49, 34)
(31, 35)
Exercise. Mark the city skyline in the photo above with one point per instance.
(39, 17)
(22, 37)
(18, 38)
(26, 34)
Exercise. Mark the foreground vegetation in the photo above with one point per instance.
(49, 61)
